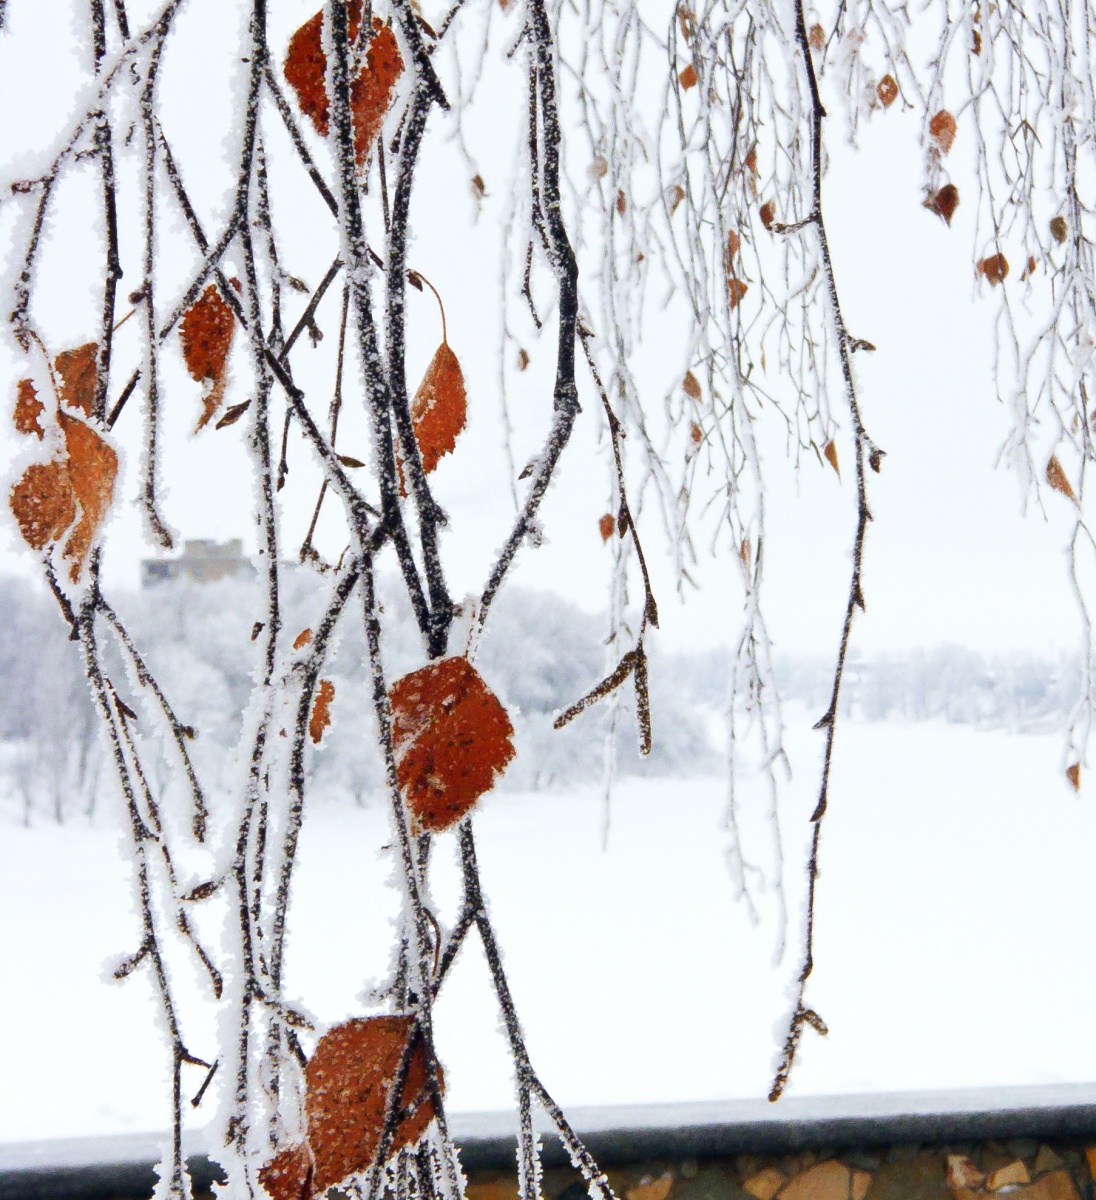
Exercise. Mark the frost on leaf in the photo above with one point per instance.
(320, 717)
(371, 90)
(687, 78)
(43, 503)
(606, 525)
(1057, 479)
(942, 130)
(77, 374)
(349, 1079)
(451, 736)
(288, 1175)
(994, 268)
(440, 407)
(944, 202)
(92, 468)
(28, 408)
(887, 90)
(302, 639)
(830, 451)
(206, 334)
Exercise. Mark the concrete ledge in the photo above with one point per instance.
(123, 1166)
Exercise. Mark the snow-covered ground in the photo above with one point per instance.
(956, 939)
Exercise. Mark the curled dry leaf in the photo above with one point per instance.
(677, 194)
(767, 213)
(348, 1080)
(994, 268)
(687, 78)
(452, 738)
(1057, 479)
(736, 289)
(206, 331)
(77, 374)
(690, 386)
(302, 639)
(28, 408)
(830, 451)
(288, 1175)
(606, 525)
(479, 188)
(1059, 230)
(320, 717)
(1073, 774)
(942, 129)
(944, 202)
(92, 469)
(887, 90)
(523, 359)
(440, 408)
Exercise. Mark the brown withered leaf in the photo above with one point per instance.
(452, 738)
(830, 451)
(28, 408)
(744, 552)
(942, 129)
(994, 268)
(944, 202)
(736, 289)
(621, 202)
(687, 77)
(887, 90)
(816, 36)
(1029, 268)
(1057, 479)
(320, 717)
(976, 41)
(440, 408)
(288, 1175)
(690, 386)
(302, 639)
(43, 503)
(92, 469)
(348, 1080)
(233, 414)
(78, 373)
(651, 1189)
(348, 460)
(677, 194)
(606, 525)
(523, 359)
(305, 67)
(963, 1173)
(767, 213)
(372, 91)
(1073, 774)
(1059, 230)
(206, 331)
(734, 242)
(696, 434)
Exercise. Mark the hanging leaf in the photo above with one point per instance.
(744, 552)
(1073, 774)
(887, 90)
(348, 1080)
(736, 289)
(942, 129)
(92, 469)
(767, 214)
(696, 434)
(302, 639)
(1057, 479)
(1029, 268)
(816, 37)
(1059, 230)
(606, 525)
(320, 717)
(452, 738)
(830, 451)
(733, 244)
(28, 408)
(348, 461)
(523, 359)
(440, 408)
(206, 331)
(687, 78)
(690, 386)
(677, 194)
(944, 202)
(976, 41)
(372, 92)
(288, 1175)
(78, 373)
(994, 268)
(43, 503)
(621, 202)
(305, 67)
(233, 414)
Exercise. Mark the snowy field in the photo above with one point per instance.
(956, 943)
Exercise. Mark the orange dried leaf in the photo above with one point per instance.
(765, 1184)
(733, 244)
(206, 334)
(523, 358)
(302, 639)
(767, 214)
(28, 408)
(372, 91)
(736, 289)
(1073, 774)
(651, 1189)
(92, 469)
(944, 202)
(976, 41)
(751, 160)
(43, 503)
(887, 90)
(1057, 479)
(830, 451)
(942, 129)
(816, 37)
(994, 268)
(606, 525)
(690, 386)
(963, 1173)
(744, 551)
(288, 1175)
(1059, 230)
(696, 434)
(440, 407)
(676, 197)
(1030, 268)
(452, 738)
(320, 716)
(78, 373)
(687, 78)
(621, 202)
(348, 1080)
(305, 67)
